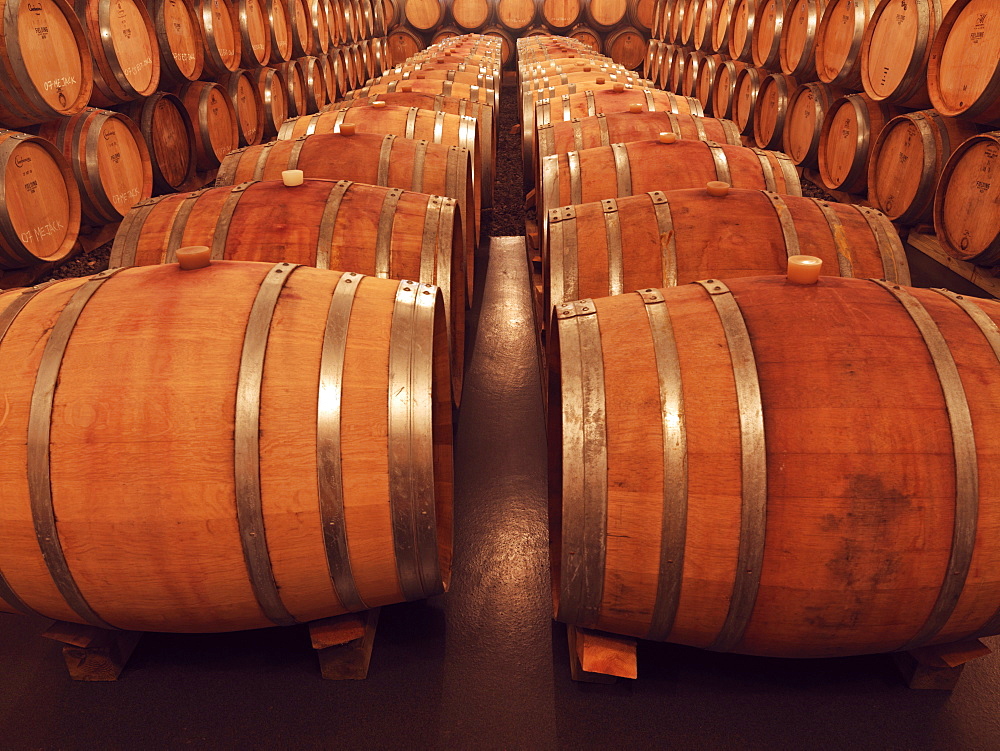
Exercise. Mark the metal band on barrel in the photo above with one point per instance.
(602, 125)
(383, 241)
(411, 122)
(966, 463)
(411, 450)
(753, 514)
(585, 464)
(328, 442)
(673, 528)
(428, 240)
(787, 224)
(293, 154)
(793, 186)
(721, 161)
(99, 197)
(438, 126)
(577, 135)
(384, 157)
(261, 163)
(457, 156)
(591, 105)
(623, 172)
(564, 282)
(221, 234)
(440, 274)
(844, 260)
(179, 224)
(894, 265)
(546, 142)
(126, 243)
(575, 179)
(770, 184)
(38, 453)
(314, 121)
(613, 238)
(650, 103)
(7, 316)
(246, 453)
(668, 239)
(328, 223)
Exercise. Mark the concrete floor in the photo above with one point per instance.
(482, 667)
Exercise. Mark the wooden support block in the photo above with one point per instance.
(599, 657)
(344, 644)
(938, 667)
(93, 654)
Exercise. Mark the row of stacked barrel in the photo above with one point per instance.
(739, 450)
(618, 28)
(890, 100)
(188, 81)
(220, 432)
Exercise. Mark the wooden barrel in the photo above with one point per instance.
(273, 99)
(405, 163)
(431, 86)
(40, 213)
(701, 28)
(721, 32)
(797, 43)
(248, 104)
(724, 87)
(626, 169)
(695, 529)
(222, 38)
(423, 15)
(611, 247)
(338, 69)
(686, 28)
(387, 232)
(640, 14)
(626, 127)
(766, 41)
(896, 49)
(279, 24)
(560, 15)
(314, 83)
(745, 93)
(109, 160)
(124, 47)
(166, 128)
(838, 41)
(445, 32)
(589, 103)
(606, 15)
(391, 12)
(907, 160)
(704, 80)
(675, 26)
(292, 451)
(851, 126)
(968, 193)
(516, 15)
(678, 65)
(770, 114)
(692, 71)
(471, 15)
(216, 129)
(670, 51)
(963, 68)
(295, 88)
(588, 75)
(742, 27)
(804, 121)
(320, 29)
(300, 18)
(179, 37)
(255, 35)
(48, 72)
(402, 44)
(651, 63)
(626, 46)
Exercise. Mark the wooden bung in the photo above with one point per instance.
(238, 516)
(746, 566)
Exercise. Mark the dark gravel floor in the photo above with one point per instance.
(508, 191)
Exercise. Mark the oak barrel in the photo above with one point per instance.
(405, 163)
(606, 15)
(896, 48)
(770, 113)
(722, 28)
(40, 213)
(851, 126)
(255, 34)
(273, 98)
(124, 47)
(838, 41)
(516, 15)
(216, 129)
(765, 46)
(626, 169)
(797, 43)
(48, 72)
(222, 37)
(665, 239)
(625, 45)
(109, 159)
(248, 105)
(295, 87)
(907, 160)
(179, 36)
(386, 232)
(724, 87)
(742, 25)
(157, 516)
(423, 15)
(166, 128)
(804, 121)
(402, 44)
(560, 15)
(280, 29)
(314, 85)
(966, 201)
(471, 15)
(732, 482)
(964, 67)
(744, 97)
